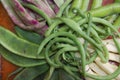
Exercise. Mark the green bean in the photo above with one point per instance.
(60, 12)
(103, 59)
(71, 73)
(106, 10)
(87, 62)
(31, 73)
(94, 32)
(105, 51)
(61, 46)
(81, 14)
(112, 18)
(84, 6)
(51, 37)
(61, 34)
(50, 44)
(77, 29)
(52, 27)
(40, 12)
(98, 41)
(70, 23)
(64, 28)
(82, 21)
(88, 32)
(104, 22)
(101, 21)
(62, 51)
(49, 74)
(70, 48)
(72, 68)
(96, 4)
(19, 60)
(97, 38)
(110, 76)
(117, 22)
(116, 43)
(66, 12)
(92, 58)
(10, 41)
(74, 6)
(98, 29)
(69, 57)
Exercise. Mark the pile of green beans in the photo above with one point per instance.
(65, 45)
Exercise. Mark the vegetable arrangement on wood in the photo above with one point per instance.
(62, 39)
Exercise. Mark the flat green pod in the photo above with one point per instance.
(18, 45)
(29, 35)
(19, 60)
(32, 72)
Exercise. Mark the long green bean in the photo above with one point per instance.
(74, 6)
(52, 27)
(50, 44)
(96, 4)
(59, 14)
(77, 29)
(71, 73)
(115, 73)
(67, 35)
(93, 57)
(51, 37)
(106, 10)
(88, 33)
(104, 22)
(117, 22)
(50, 73)
(85, 4)
(81, 52)
(101, 21)
(40, 12)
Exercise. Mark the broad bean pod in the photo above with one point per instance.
(19, 60)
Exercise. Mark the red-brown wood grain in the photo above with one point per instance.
(5, 21)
